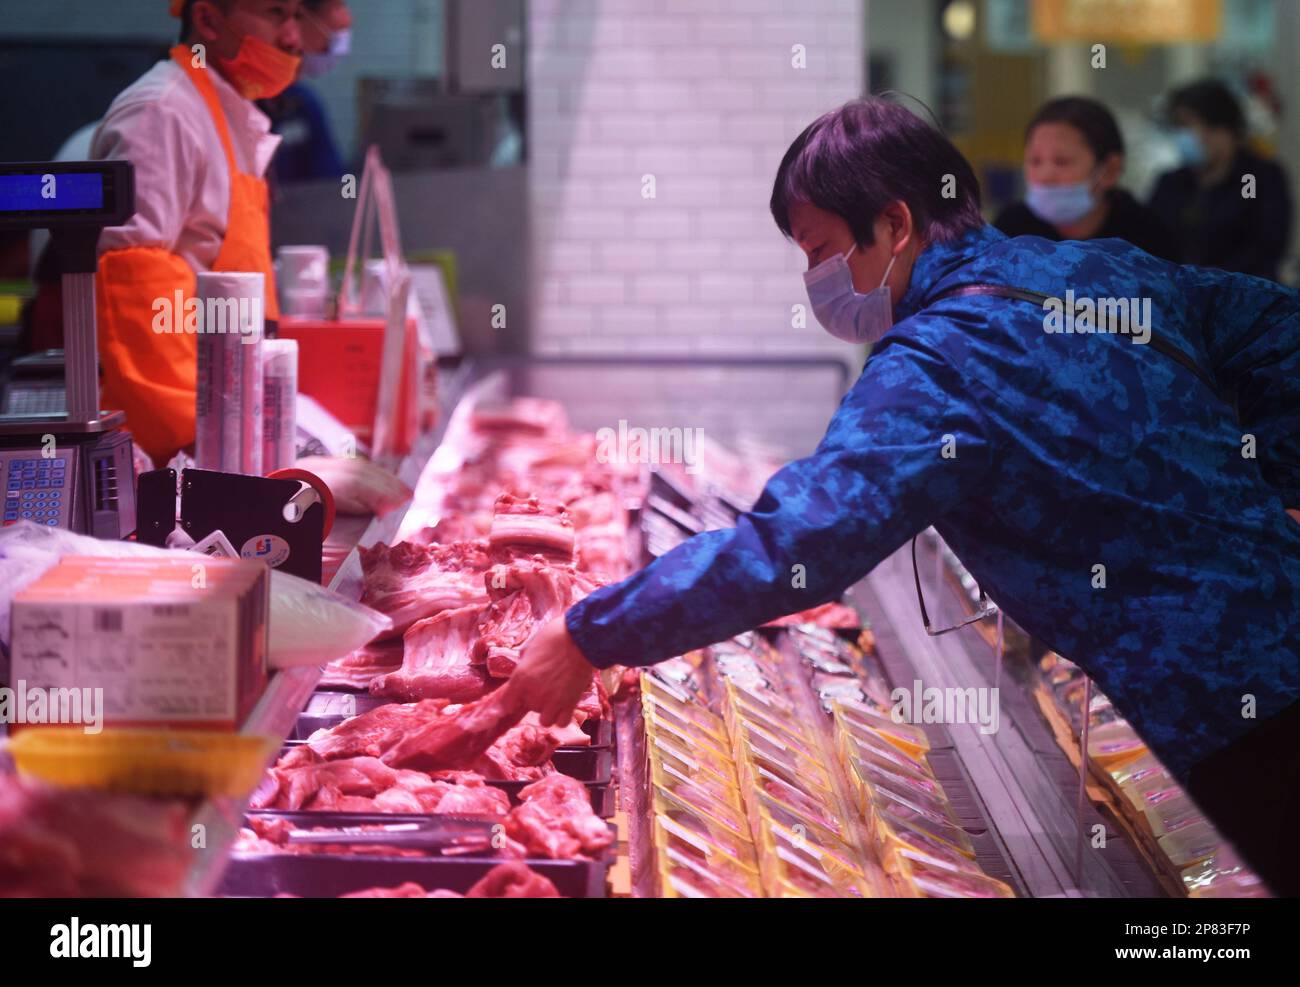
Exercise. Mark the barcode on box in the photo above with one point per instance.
(108, 620)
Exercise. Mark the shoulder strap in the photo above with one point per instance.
(1157, 343)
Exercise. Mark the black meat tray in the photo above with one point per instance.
(318, 875)
(594, 768)
(329, 708)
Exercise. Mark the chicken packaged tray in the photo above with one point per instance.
(807, 792)
(740, 708)
(685, 875)
(834, 857)
(773, 703)
(792, 875)
(1190, 845)
(661, 751)
(324, 876)
(823, 826)
(667, 798)
(703, 790)
(1170, 810)
(860, 719)
(656, 724)
(893, 819)
(686, 716)
(878, 783)
(862, 760)
(681, 825)
(1113, 744)
(935, 882)
(1222, 875)
(869, 746)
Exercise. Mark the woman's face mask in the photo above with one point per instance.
(1061, 204)
(841, 309)
(1190, 147)
(316, 64)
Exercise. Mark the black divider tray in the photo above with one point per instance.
(331, 875)
(328, 708)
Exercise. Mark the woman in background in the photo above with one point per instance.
(1228, 207)
(1074, 157)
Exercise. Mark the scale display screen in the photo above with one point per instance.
(51, 192)
(66, 195)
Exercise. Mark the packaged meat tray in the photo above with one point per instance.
(862, 720)
(1222, 875)
(1113, 744)
(690, 758)
(893, 820)
(656, 723)
(935, 882)
(793, 875)
(703, 791)
(665, 756)
(686, 717)
(697, 833)
(823, 827)
(1190, 845)
(328, 876)
(709, 813)
(683, 875)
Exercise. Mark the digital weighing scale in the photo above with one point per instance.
(68, 464)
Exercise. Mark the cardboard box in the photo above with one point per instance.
(177, 643)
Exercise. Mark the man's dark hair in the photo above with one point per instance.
(187, 17)
(870, 152)
(1211, 102)
(1092, 120)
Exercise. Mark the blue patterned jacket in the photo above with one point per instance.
(1071, 451)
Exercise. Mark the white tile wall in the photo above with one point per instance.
(702, 95)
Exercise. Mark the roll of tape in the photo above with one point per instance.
(316, 483)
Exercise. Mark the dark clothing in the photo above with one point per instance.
(1128, 220)
(1251, 789)
(1217, 226)
(307, 151)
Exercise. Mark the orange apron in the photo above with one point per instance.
(150, 375)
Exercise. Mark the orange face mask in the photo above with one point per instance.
(259, 70)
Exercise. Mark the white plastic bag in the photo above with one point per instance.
(310, 625)
(358, 485)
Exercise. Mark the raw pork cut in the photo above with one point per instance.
(555, 820)
(455, 739)
(359, 669)
(409, 581)
(525, 523)
(525, 594)
(436, 661)
(371, 733)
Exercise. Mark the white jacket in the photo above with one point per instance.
(182, 191)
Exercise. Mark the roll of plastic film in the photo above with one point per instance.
(279, 403)
(232, 309)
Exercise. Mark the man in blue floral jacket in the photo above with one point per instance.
(1109, 442)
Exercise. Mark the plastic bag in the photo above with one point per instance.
(310, 625)
(358, 485)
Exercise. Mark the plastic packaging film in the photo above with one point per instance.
(228, 408)
(279, 403)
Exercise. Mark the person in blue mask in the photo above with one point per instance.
(1074, 158)
(1039, 454)
(308, 151)
(1227, 207)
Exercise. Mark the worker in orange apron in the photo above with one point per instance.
(200, 148)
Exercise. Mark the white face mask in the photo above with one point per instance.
(841, 310)
(317, 64)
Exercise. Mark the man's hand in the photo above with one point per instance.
(551, 676)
